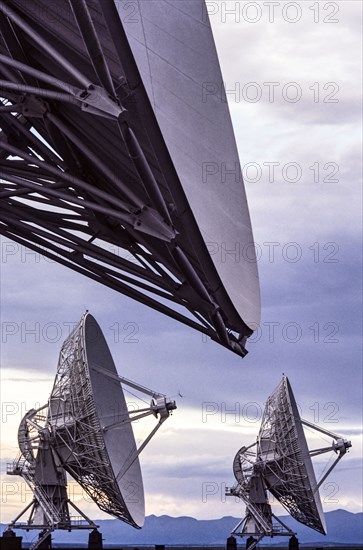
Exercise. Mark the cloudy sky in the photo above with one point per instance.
(293, 79)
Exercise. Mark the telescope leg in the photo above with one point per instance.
(44, 541)
(95, 540)
(293, 543)
(231, 543)
(9, 541)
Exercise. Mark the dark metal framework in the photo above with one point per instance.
(86, 176)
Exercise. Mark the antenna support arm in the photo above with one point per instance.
(328, 472)
(319, 429)
(127, 382)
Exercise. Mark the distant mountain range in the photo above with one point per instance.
(344, 528)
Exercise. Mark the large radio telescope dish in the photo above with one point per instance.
(280, 462)
(119, 159)
(85, 430)
(84, 405)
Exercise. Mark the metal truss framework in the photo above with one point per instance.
(50, 506)
(279, 463)
(85, 174)
(258, 521)
(70, 421)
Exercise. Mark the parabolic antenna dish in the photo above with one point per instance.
(85, 403)
(288, 469)
(280, 462)
(119, 159)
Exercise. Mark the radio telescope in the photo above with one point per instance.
(85, 431)
(118, 157)
(280, 462)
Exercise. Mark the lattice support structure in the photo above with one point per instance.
(86, 177)
(76, 428)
